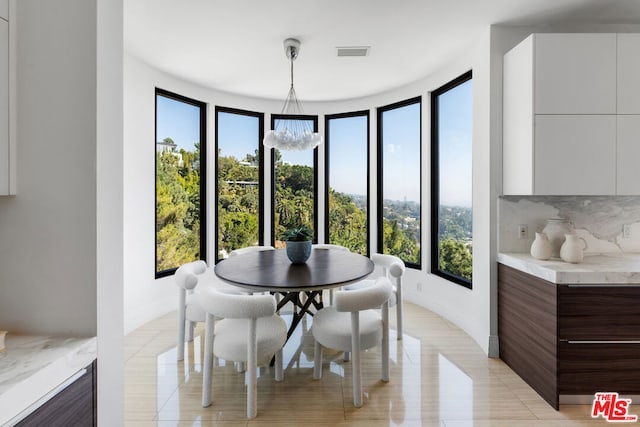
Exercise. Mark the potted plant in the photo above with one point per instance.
(298, 243)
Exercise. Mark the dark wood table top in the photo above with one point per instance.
(272, 270)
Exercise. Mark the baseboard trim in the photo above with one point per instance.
(494, 346)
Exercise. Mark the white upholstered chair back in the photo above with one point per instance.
(189, 310)
(352, 324)
(329, 246)
(250, 332)
(249, 249)
(393, 268)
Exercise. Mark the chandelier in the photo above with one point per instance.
(292, 133)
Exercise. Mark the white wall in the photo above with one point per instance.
(60, 236)
(109, 218)
(147, 298)
(468, 309)
(48, 230)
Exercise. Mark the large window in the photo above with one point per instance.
(399, 178)
(347, 180)
(294, 186)
(451, 180)
(180, 136)
(239, 180)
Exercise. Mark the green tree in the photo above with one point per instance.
(400, 243)
(455, 258)
(294, 201)
(177, 207)
(347, 222)
(238, 203)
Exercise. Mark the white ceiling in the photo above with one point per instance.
(236, 45)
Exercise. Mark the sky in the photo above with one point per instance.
(179, 121)
(401, 153)
(237, 136)
(455, 130)
(348, 154)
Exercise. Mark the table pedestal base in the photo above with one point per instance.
(300, 308)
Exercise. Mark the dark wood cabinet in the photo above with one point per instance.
(588, 367)
(599, 312)
(74, 406)
(527, 329)
(569, 339)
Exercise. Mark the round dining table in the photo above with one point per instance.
(273, 272)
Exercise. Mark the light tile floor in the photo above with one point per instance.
(439, 377)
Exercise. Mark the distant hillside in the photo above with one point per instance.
(455, 223)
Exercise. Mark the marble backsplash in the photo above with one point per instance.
(598, 219)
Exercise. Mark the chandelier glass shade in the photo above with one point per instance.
(292, 131)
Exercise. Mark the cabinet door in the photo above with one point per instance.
(585, 368)
(73, 406)
(575, 73)
(599, 313)
(628, 73)
(5, 155)
(4, 9)
(628, 174)
(575, 155)
(527, 325)
(517, 120)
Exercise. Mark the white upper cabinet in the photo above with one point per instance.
(574, 73)
(628, 73)
(628, 175)
(4, 9)
(517, 120)
(562, 97)
(573, 154)
(7, 105)
(7, 171)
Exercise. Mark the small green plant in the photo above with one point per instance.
(298, 234)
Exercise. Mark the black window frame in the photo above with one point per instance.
(203, 175)
(261, 172)
(327, 119)
(314, 118)
(380, 160)
(435, 181)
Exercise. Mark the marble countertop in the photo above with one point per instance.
(34, 368)
(606, 268)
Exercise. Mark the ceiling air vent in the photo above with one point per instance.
(353, 50)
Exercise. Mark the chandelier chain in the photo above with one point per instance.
(292, 133)
(292, 68)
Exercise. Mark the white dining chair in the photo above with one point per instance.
(329, 246)
(393, 268)
(189, 310)
(352, 324)
(249, 249)
(246, 250)
(249, 332)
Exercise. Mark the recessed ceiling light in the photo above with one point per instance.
(353, 50)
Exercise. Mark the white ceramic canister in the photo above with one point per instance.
(572, 249)
(556, 230)
(541, 247)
